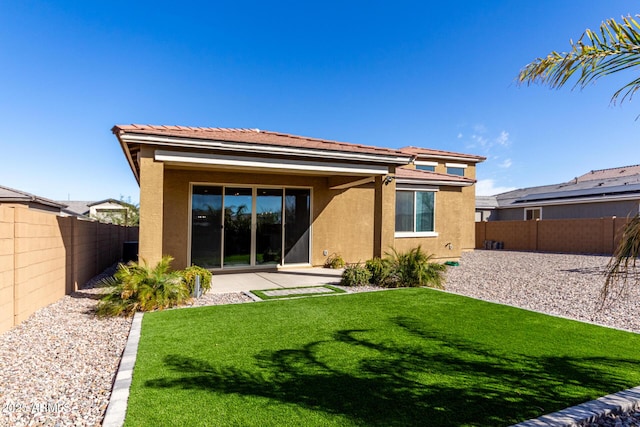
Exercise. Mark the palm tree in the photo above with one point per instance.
(614, 47)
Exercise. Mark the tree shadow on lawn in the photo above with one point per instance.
(450, 381)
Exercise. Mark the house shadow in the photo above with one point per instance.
(450, 381)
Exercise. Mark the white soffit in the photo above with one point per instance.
(261, 148)
(267, 163)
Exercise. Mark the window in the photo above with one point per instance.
(531, 214)
(429, 168)
(426, 166)
(456, 168)
(415, 213)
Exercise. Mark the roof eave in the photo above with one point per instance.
(435, 182)
(253, 148)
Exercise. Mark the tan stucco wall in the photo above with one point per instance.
(343, 221)
(151, 207)
(450, 204)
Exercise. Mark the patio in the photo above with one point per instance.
(289, 278)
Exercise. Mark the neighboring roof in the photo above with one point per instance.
(100, 202)
(82, 208)
(10, 195)
(610, 173)
(607, 184)
(440, 154)
(406, 175)
(486, 202)
(76, 207)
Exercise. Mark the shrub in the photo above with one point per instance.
(379, 271)
(355, 275)
(189, 275)
(413, 268)
(334, 261)
(138, 287)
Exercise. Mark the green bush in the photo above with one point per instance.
(189, 275)
(379, 271)
(334, 261)
(355, 275)
(138, 287)
(413, 268)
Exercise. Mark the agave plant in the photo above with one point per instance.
(138, 287)
(413, 268)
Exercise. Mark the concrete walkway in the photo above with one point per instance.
(238, 282)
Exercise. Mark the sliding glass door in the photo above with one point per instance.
(297, 222)
(238, 208)
(244, 226)
(206, 226)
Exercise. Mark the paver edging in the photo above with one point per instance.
(117, 408)
(622, 401)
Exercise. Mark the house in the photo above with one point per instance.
(596, 194)
(107, 211)
(229, 199)
(10, 196)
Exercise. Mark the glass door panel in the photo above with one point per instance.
(206, 226)
(268, 226)
(237, 226)
(297, 222)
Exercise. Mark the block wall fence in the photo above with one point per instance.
(579, 236)
(44, 257)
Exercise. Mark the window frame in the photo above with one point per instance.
(527, 210)
(421, 164)
(462, 166)
(404, 234)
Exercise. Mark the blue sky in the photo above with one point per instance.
(388, 73)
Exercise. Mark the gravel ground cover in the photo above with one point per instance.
(57, 367)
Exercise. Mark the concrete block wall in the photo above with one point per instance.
(582, 236)
(44, 256)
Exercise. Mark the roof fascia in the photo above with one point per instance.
(434, 182)
(262, 149)
(421, 157)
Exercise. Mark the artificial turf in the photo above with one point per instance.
(396, 358)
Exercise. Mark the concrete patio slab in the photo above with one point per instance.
(242, 282)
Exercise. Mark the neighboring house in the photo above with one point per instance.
(10, 196)
(247, 198)
(485, 208)
(107, 211)
(596, 194)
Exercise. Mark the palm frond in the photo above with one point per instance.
(622, 267)
(614, 48)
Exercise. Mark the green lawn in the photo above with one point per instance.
(395, 358)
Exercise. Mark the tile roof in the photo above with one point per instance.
(610, 173)
(428, 152)
(422, 175)
(254, 136)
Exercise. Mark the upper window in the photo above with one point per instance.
(415, 212)
(456, 168)
(426, 168)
